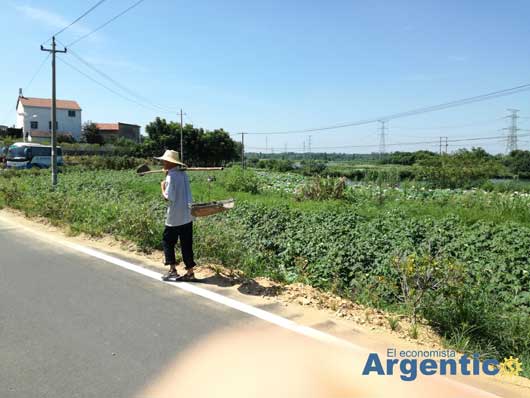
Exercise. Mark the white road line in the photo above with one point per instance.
(218, 298)
(237, 305)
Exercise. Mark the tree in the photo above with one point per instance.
(463, 169)
(201, 147)
(91, 134)
(519, 162)
(65, 138)
(158, 129)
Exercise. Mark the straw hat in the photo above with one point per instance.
(172, 157)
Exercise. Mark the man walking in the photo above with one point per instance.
(179, 221)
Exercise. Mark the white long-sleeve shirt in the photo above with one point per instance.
(178, 193)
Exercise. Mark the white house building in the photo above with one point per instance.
(34, 117)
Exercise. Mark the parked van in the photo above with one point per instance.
(25, 155)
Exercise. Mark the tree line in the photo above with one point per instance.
(201, 147)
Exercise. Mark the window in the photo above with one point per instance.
(71, 113)
(34, 125)
(56, 125)
(16, 152)
(41, 151)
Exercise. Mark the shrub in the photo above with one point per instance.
(105, 162)
(421, 275)
(311, 168)
(243, 180)
(322, 189)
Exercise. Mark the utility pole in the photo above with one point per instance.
(442, 144)
(310, 156)
(382, 139)
(511, 139)
(242, 150)
(53, 50)
(181, 139)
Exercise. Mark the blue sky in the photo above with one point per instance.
(282, 65)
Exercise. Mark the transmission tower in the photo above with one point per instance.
(382, 138)
(511, 138)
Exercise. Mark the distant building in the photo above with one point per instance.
(34, 118)
(111, 131)
(13, 132)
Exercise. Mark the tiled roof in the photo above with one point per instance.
(108, 126)
(47, 103)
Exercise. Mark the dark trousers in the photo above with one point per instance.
(170, 239)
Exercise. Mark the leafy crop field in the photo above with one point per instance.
(458, 259)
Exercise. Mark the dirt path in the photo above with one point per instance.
(304, 305)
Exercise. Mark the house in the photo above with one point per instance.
(34, 118)
(111, 131)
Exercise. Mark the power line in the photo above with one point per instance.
(33, 77)
(189, 118)
(102, 85)
(447, 127)
(37, 72)
(433, 108)
(145, 104)
(106, 23)
(138, 99)
(121, 86)
(78, 18)
(410, 143)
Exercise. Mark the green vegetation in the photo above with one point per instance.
(105, 162)
(202, 147)
(461, 169)
(455, 258)
(91, 134)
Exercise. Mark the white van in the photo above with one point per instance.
(26, 155)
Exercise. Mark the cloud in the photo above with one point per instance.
(50, 19)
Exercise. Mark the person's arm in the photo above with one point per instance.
(165, 186)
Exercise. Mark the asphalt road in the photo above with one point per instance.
(75, 326)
